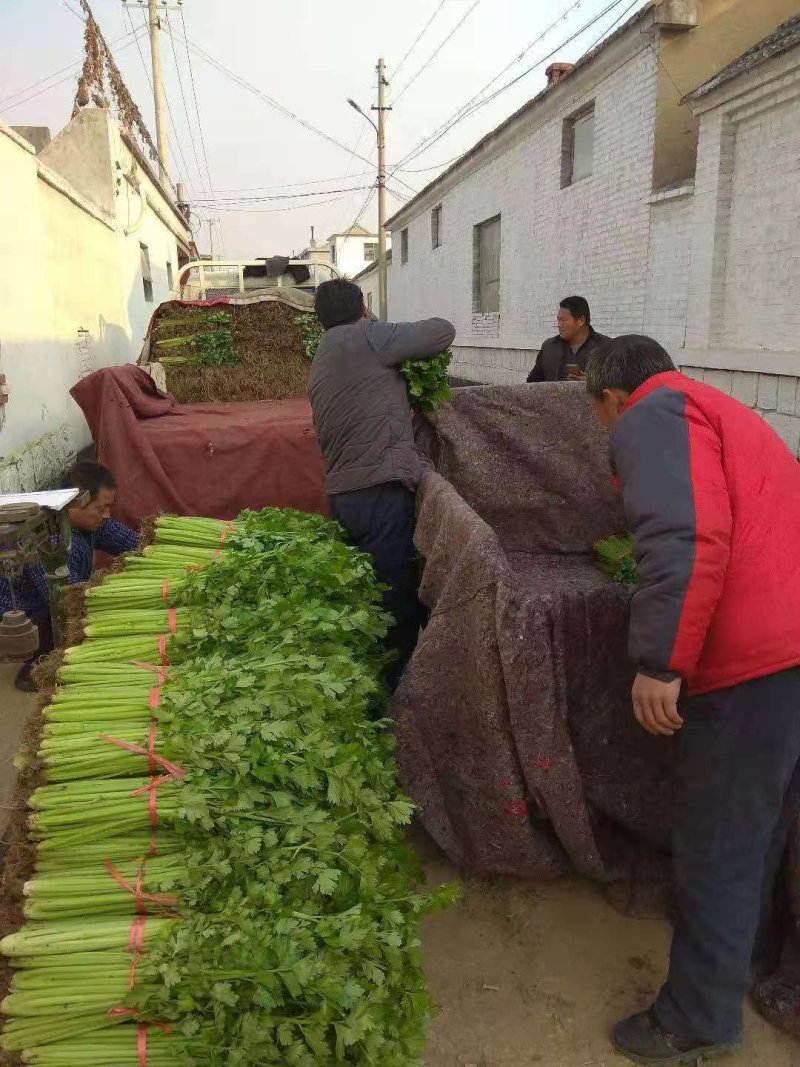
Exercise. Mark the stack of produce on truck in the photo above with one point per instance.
(255, 350)
(221, 876)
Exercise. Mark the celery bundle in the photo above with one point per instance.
(615, 557)
(221, 875)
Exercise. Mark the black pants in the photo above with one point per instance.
(738, 793)
(380, 520)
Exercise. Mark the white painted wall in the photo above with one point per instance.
(668, 267)
(743, 315)
(590, 238)
(350, 259)
(71, 296)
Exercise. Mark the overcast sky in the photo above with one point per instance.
(309, 56)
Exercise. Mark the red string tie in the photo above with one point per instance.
(164, 900)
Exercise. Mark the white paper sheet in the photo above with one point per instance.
(55, 499)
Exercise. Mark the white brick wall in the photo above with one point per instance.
(763, 262)
(668, 271)
(590, 238)
(745, 262)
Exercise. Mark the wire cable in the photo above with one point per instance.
(476, 104)
(199, 121)
(281, 196)
(433, 56)
(177, 143)
(421, 34)
(272, 102)
(183, 100)
(75, 67)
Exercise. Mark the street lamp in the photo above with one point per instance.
(380, 132)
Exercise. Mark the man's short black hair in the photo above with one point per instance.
(90, 477)
(625, 363)
(578, 307)
(338, 303)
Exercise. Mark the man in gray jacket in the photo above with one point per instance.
(362, 417)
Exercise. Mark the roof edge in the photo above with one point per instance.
(550, 92)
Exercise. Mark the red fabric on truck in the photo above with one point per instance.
(197, 459)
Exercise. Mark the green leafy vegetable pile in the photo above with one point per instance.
(222, 876)
(615, 557)
(209, 347)
(428, 380)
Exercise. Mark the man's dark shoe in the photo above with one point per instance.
(642, 1040)
(24, 682)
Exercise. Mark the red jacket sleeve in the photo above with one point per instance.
(668, 457)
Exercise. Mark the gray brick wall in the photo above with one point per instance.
(775, 397)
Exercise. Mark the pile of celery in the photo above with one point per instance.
(222, 877)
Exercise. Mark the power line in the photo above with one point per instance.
(437, 166)
(475, 105)
(74, 68)
(281, 196)
(421, 34)
(272, 102)
(284, 185)
(433, 56)
(166, 98)
(199, 120)
(273, 210)
(185, 106)
(72, 11)
(465, 107)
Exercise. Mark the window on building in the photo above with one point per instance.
(404, 245)
(577, 151)
(169, 276)
(333, 253)
(436, 227)
(147, 273)
(369, 301)
(370, 252)
(486, 267)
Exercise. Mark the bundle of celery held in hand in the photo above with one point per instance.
(428, 379)
(615, 557)
(221, 874)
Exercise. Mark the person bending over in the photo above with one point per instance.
(92, 530)
(712, 496)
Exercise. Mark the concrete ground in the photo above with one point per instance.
(525, 974)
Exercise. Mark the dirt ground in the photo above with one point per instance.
(534, 975)
(525, 974)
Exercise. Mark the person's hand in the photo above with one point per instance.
(655, 705)
(577, 376)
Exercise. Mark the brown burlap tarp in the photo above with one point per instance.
(516, 734)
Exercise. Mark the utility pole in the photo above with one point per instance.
(383, 301)
(158, 91)
(154, 26)
(380, 131)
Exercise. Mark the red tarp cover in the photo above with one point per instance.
(197, 459)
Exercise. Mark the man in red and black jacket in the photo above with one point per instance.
(712, 495)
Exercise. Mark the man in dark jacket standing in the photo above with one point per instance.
(362, 417)
(575, 342)
(712, 496)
